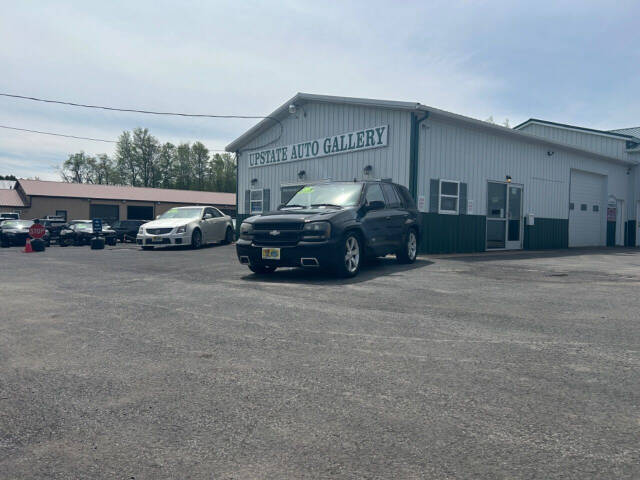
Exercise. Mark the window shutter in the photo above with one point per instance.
(247, 202)
(266, 200)
(462, 208)
(434, 195)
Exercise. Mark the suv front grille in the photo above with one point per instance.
(158, 231)
(281, 233)
(278, 226)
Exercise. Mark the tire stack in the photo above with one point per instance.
(97, 243)
(38, 245)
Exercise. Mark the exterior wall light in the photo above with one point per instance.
(550, 153)
(301, 174)
(508, 177)
(254, 181)
(367, 170)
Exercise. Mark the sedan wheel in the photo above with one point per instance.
(196, 239)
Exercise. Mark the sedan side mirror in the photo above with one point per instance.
(207, 216)
(157, 217)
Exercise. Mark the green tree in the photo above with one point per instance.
(200, 161)
(144, 147)
(126, 161)
(77, 168)
(165, 166)
(183, 167)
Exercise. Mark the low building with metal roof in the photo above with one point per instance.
(37, 199)
(478, 186)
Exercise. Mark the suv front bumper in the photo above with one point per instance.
(304, 254)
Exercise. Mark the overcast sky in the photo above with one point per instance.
(572, 62)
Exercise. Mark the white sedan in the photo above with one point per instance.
(195, 226)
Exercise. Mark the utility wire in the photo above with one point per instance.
(57, 134)
(149, 112)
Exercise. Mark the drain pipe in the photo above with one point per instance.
(414, 145)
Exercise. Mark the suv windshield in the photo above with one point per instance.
(182, 213)
(339, 194)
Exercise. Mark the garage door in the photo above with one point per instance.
(586, 209)
(137, 212)
(108, 213)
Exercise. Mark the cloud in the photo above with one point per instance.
(506, 59)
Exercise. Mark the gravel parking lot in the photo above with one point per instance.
(181, 364)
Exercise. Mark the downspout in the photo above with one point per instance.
(237, 192)
(414, 145)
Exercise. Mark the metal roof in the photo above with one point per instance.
(302, 98)
(606, 133)
(633, 131)
(10, 198)
(43, 188)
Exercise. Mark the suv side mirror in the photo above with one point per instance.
(375, 205)
(207, 216)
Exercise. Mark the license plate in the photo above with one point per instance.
(271, 254)
(156, 239)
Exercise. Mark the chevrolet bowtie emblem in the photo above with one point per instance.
(274, 233)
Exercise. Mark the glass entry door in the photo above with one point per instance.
(504, 216)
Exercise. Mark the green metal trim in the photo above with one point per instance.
(546, 233)
(414, 146)
(611, 234)
(452, 233)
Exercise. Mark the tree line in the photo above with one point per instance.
(142, 161)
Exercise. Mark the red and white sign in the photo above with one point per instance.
(37, 230)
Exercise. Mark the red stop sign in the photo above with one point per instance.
(37, 230)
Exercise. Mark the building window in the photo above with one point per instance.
(449, 197)
(256, 201)
(596, 208)
(583, 207)
(571, 206)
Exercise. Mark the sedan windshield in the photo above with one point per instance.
(182, 213)
(17, 223)
(330, 194)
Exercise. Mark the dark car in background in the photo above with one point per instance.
(9, 216)
(127, 230)
(80, 232)
(53, 226)
(15, 233)
(334, 225)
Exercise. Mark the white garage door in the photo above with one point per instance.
(586, 210)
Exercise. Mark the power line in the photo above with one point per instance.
(151, 112)
(57, 134)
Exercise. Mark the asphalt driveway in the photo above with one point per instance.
(181, 364)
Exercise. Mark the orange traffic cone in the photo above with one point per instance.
(27, 246)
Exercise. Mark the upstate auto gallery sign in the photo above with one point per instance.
(365, 139)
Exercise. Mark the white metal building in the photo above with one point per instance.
(478, 185)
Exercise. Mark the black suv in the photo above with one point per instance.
(127, 229)
(335, 225)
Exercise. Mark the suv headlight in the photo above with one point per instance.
(141, 231)
(246, 231)
(181, 229)
(316, 231)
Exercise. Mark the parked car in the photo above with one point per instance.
(53, 226)
(15, 232)
(80, 232)
(9, 216)
(127, 229)
(193, 226)
(334, 225)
